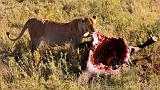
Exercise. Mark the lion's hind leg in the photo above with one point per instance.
(35, 42)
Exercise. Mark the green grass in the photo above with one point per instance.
(134, 20)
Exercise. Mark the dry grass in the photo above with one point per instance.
(134, 20)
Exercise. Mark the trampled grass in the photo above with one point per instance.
(134, 20)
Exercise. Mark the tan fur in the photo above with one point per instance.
(54, 33)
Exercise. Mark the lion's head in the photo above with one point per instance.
(87, 25)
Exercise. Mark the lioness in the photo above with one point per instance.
(55, 33)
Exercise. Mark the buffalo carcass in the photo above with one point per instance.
(106, 55)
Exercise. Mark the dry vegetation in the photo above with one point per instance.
(134, 20)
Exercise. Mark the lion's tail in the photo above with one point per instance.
(20, 35)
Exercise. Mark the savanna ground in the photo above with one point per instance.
(134, 20)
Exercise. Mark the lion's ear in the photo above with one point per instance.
(94, 17)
